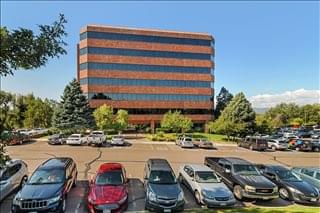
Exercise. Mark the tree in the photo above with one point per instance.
(121, 121)
(38, 114)
(223, 99)
(103, 116)
(175, 122)
(22, 49)
(73, 113)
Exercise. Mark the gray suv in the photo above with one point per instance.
(163, 192)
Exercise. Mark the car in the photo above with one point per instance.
(76, 139)
(309, 174)
(57, 139)
(47, 188)
(243, 178)
(117, 140)
(17, 138)
(185, 142)
(13, 175)
(203, 143)
(315, 144)
(290, 135)
(254, 143)
(26, 132)
(277, 144)
(96, 138)
(304, 134)
(291, 186)
(162, 190)
(108, 189)
(302, 145)
(206, 186)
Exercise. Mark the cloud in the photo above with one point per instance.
(300, 97)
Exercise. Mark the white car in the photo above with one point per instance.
(26, 132)
(117, 140)
(186, 142)
(76, 139)
(96, 138)
(12, 176)
(207, 187)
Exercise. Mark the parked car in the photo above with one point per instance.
(304, 134)
(13, 175)
(206, 186)
(254, 143)
(302, 145)
(25, 132)
(315, 145)
(243, 178)
(57, 139)
(163, 192)
(47, 188)
(291, 186)
(185, 142)
(277, 144)
(76, 139)
(17, 138)
(203, 143)
(108, 190)
(96, 138)
(309, 174)
(290, 135)
(117, 140)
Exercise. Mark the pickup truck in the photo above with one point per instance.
(243, 178)
(96, 138)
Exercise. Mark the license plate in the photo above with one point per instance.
(313, 199)
(106, 211)
(223, 204)
(33, 212)
(167, 210)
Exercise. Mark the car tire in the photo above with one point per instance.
(316, 149)
(251, 147)
(274, 148)
(180, 178)
(284, 194)
(63, 205)
(198, 197)
(297, 149)
(237, 191)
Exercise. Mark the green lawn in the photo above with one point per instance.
(292, 208)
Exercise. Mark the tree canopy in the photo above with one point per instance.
(175, 122)
(223, 99)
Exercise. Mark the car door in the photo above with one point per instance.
(190, 178)
(228, 175)
(6, 184)
(69, 178)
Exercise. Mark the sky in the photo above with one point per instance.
(269, 50)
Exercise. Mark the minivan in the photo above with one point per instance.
(254, 143)
(163, 191)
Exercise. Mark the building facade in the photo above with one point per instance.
(147, 72)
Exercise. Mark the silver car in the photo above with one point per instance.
(186, 142)
(206, 185)
(277, 144)
(118, 140)
(309, 174)
(12, 176)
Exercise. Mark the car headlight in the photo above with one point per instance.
(294, 190)
(152, 196)
(54, 199)
(207, 194)
(231, 197)
(16, 201)
(249, 188)
(123, 199)
(181, 196)
(91, 200)
(275, 189)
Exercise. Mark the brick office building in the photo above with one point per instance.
(147, 72)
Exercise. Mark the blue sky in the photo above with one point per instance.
(261, 47)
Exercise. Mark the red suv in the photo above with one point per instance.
(108, 191)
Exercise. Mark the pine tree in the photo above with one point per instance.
(73, 113)
(223, 99)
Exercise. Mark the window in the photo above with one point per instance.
(144, 38)
(307, 172)
(317, 175)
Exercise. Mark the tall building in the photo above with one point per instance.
(147, 72)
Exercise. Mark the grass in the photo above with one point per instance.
(292, 208)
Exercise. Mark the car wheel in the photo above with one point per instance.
(251, 147)
(297, 149)
(63, 205)
(316, 149)
(273, 148)
(198, 197)
(237, 191)
(23, 181)
(284, 194)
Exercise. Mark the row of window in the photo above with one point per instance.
(144, 53)
(144, 82)
(145, 38)
(163, 111)
(148, 97)
(144, 68)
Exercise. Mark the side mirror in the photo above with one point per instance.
(228, 171)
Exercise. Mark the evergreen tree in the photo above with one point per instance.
(73, 113)
(223, 99)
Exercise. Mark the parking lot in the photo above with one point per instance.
(133, 157)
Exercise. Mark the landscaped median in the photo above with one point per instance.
(292, 208)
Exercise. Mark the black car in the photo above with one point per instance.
(57, 139)
(291, 186)
(243, 178)
(254, 143)
(163, 191)
(47, 188)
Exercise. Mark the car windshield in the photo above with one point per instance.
(188, 140)
(162, 177)
(47, 176)
(110, 178)
(206, 177)
(245, 169)
(287, 175)
(74, 136)
(117, 137)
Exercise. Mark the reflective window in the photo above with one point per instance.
(144, 82)
(143, 68)
(144, 38)
(144, 53)
(156, 97)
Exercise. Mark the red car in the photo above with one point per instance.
(108, 190)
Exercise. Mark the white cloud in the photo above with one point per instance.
(300, 97)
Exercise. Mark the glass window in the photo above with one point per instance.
(46, 176)
(144, 38)
(162, 177)
(206, 177)
(110, 178)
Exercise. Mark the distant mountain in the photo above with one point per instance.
(260, 110)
